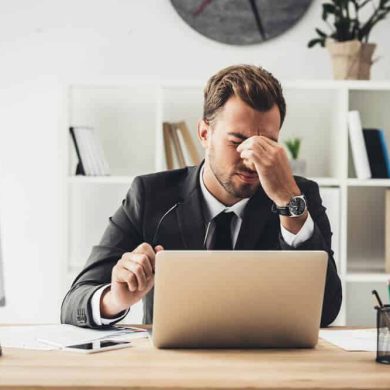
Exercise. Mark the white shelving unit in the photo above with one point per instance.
(128, 119)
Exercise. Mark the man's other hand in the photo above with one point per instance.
(131, 279)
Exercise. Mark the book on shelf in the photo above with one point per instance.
(177, 147)
(358, 147)
(90, 153)
(168, 147)
(173, 152)
(377, 152)
(387, 231)
(191, 154)
(180, 148)
(80, 166)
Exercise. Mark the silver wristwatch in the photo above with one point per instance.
(295, 207)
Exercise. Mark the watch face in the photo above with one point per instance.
(297, 206)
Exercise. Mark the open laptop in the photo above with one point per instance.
(238, 299)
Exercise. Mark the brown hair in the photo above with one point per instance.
(254, 85)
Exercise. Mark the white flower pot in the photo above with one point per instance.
(351, 59)
(298, 167)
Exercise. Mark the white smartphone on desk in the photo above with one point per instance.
(97, 346)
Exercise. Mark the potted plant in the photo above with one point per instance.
(297, 166)
(347, 40)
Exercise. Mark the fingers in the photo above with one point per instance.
(123, 275)
(269, 141)
(143, 261)
(248, 164)
(262, 151)
(147, 250)
(158, 248)
(247, 160)
(274, 150)
(261, 142)
(256, 155)
(144, 248)
(137, 268)
(139, 273)
(253, 151)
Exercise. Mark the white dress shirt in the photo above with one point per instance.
(212, 208)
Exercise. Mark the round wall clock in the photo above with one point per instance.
(241, 22)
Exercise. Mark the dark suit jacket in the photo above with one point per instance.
(149, 198)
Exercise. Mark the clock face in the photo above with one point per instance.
(241, 22)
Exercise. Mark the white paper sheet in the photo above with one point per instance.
(351, 340)
(49, 337)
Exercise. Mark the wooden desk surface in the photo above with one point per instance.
(143, 366)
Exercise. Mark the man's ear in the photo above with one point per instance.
(204, 134)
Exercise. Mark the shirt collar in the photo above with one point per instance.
(214, 206)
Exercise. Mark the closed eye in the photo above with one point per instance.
(236, 138)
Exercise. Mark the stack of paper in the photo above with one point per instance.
(49, 337)
(351, 340)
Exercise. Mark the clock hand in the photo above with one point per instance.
(257, 18)
(201, 7)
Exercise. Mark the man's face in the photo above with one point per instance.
(226, 176)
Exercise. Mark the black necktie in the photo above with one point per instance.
(222, 233)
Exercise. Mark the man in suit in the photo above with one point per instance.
(242, 196)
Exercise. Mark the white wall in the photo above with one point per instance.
(45, 44)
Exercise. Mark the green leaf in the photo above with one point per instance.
(360, 6)
(293, 145)
(337, 3)
(321, 33)
(347, 23)
(329, 8)
(326, 10)
(314, 42)
(343, 30)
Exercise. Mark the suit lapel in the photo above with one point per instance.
(190, 212)
(256, 215)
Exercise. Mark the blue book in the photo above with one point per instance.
(377, 152)
(385, 151)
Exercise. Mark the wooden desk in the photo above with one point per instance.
(143, 366)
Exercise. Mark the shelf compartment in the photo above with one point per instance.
(181, 104)
(360, 303)
(123, 118)
(314, 115)
(366, 230)
(373, 106)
